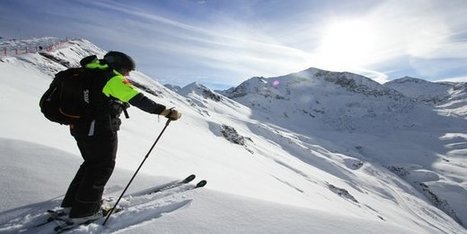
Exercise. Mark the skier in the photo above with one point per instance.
(97, 137)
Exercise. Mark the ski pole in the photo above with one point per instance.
(137, 170)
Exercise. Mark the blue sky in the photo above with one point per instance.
(222, 43)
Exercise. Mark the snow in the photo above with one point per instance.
(448, 98)
(419, 89)
(310, 152)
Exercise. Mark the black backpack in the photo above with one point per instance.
(67, 101)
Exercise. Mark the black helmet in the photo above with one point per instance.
(120, 61)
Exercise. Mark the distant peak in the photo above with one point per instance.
(199, 89)
(175, 88)
(408, 79)
(195, 85)
(313, 69)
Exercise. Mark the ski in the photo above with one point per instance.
(158, 189)
(69, 225)
(61, 216)
(201, 184)
(134, 200)
(163, 187)
(52, 215)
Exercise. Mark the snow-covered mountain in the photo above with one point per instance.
(310, 152)
(421, 90)
(448, 98)
(343, 101)
(389, 124)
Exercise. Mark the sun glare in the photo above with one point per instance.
(347, 44)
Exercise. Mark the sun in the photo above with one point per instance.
(348, 43)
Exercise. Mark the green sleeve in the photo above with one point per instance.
(119, 87)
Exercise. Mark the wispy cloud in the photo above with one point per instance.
(220, 48)
(454, 79)
(236, 40)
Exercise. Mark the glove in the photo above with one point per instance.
(171, 114)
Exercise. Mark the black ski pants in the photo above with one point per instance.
(84, 194)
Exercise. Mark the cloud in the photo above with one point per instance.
(454, 79)
(233, 41)
(421, 28)
(216, 47)
(408, 33)
(426, 37)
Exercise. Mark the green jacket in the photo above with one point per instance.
(118, 86)
(115, 86)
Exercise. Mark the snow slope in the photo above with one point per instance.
(301, 155)
(371, 121)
